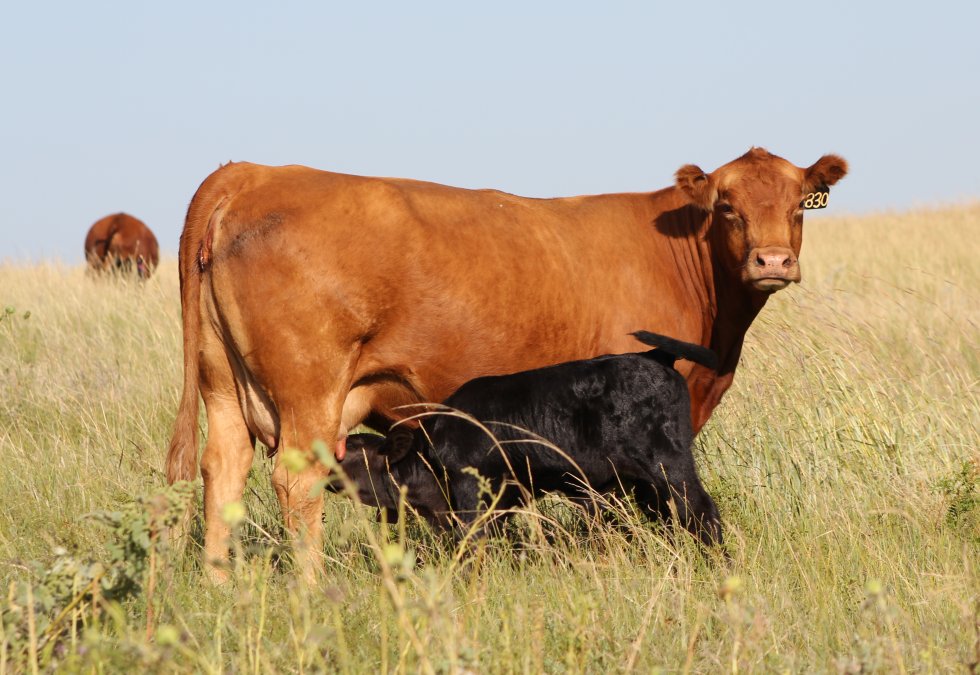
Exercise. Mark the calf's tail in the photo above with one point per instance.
(679, 349)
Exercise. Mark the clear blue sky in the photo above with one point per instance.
(127, 106)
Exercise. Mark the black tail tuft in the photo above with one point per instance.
(681, 350)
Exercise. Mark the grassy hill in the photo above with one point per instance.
(845, 462)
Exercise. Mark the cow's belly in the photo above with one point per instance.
(422, 362)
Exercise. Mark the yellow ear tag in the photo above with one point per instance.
(816, 200)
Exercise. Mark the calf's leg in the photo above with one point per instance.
(678, 482)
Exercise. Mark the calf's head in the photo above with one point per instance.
(756, 204)
(379, 467)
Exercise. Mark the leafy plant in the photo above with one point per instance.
(961, 490)
(44, 611)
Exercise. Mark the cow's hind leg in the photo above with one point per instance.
(225, 464)
(302, 510)
(310, 410)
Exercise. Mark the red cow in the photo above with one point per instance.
(120, 242)
(313, 301)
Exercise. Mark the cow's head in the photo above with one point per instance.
(756, 207)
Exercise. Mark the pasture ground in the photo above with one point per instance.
(845, 462)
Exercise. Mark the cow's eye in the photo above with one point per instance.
(725, 208)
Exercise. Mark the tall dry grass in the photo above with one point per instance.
(845, 462)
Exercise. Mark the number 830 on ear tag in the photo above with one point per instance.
(816, 200)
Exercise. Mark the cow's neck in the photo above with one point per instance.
(735, 310)
(727, 308)
(735, 313)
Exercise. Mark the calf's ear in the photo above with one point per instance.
(398, 443)
(698, 186)
(825, 172)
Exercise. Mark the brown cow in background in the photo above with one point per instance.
(313, 301)
(119, 243)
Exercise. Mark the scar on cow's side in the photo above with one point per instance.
(206, 255)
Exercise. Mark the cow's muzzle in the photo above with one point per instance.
(772, 268)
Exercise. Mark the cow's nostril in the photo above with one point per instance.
(787, 262)
(760, 261)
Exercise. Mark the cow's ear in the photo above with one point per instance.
(698, 186)
(399, 443)
(825, 172)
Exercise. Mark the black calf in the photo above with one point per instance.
(622, 422)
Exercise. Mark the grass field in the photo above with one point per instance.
(845, 462)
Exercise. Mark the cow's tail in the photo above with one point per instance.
(193, 259)
(679, 349)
